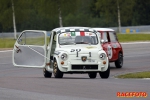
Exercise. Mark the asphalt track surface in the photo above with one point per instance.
(29, 83)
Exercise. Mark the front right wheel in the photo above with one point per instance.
(105, 74)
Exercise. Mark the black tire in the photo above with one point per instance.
(92, 74)
(119, 61)
(57, 73)
(46, 73)
(105, 74)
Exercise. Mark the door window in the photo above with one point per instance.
(32, 38)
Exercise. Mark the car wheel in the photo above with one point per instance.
(105, 74)
(119, 61)
(57, 73)
(92, 74)
(46, 73)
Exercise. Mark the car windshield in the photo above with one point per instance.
(68, 38)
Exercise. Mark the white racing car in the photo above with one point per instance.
(66, 50)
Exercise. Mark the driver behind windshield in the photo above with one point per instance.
(83, 39)
(69, 38)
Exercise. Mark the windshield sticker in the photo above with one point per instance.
(73, 34)
(66, 34)
(82, 33)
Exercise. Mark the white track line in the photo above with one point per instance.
(6, 51)
(133, 42)
(146, 78)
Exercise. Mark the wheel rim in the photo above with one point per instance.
(55, 68)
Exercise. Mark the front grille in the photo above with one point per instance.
(84, 67)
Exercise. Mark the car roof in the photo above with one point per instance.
(66, 29)
(103, 29)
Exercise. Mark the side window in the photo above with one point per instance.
(112, 37)
(54, 37)
(32, 38)
(105, 36)
(53, 42)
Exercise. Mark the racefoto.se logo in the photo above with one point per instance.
(131, 94)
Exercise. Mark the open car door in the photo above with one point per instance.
(30, 49)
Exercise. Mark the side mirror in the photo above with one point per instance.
(104, 41)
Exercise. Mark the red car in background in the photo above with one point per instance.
(111, 45)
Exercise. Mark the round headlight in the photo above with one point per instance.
(64, 56)
(102, 56)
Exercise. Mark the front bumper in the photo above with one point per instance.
(82, 67)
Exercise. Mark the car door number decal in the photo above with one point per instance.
(109, 51)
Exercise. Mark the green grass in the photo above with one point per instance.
(7, 43)
(133, 37)
(33, 41)
(136, 75)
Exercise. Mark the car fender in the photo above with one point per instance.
(58, 62)
(106, 66)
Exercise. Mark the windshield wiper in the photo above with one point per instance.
(67, 43)
(82, 43)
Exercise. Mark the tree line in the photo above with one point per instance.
(50, 14)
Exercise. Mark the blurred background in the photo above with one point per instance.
(124, 16)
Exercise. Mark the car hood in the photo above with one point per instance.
(81, 49)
